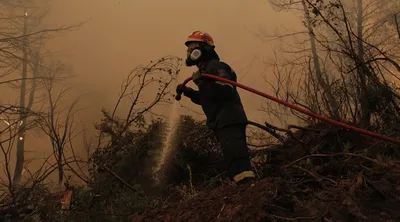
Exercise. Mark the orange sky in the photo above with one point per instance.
(122, 34)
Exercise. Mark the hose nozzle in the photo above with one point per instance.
(178, 96)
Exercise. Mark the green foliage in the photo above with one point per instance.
(129, 155)
(199, 150)
(120, 170)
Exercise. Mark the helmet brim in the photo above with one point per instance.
(198, 41)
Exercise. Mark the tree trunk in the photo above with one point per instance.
(362, 70)
(333, 105)
(397, 22)
(60, 167)
(20, 155)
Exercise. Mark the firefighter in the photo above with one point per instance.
(221, 104)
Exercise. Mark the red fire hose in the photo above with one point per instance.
(291, 106)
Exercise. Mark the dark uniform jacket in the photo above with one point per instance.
(220, 101)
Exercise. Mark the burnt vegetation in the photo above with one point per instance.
(343, 65)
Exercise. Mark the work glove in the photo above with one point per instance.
(197, 78)
(183, 89)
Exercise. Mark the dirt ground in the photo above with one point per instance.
(273, 199)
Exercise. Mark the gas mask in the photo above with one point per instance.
(194, 57)
(202, 53)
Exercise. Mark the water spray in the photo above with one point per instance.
(169, 143)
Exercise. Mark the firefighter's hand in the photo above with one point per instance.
(197, 78)
(182, 89)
